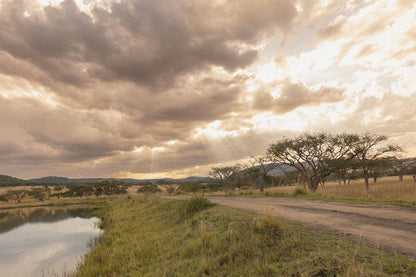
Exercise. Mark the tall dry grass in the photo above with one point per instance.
(386, 188)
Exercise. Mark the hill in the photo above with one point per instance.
(6, 181)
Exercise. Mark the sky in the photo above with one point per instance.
(153, 89)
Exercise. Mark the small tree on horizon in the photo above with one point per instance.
(15, 195)
(259, 169)
(370, 153)
(227, 176)
(411, 169)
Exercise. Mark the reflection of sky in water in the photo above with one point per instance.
(34, 248)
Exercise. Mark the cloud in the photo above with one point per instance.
(294, 95)
(139, 41)
(107, 87)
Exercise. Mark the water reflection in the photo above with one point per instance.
(43, 242)
(10, 219)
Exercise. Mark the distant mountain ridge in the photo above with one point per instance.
(12, 181)
(56, 179)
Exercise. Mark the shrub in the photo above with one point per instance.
(299, 191)
(170, 189)
(3, 198)
(212, 186)
(196, 204)
(180, 192)
(190, 187)
(38, 193)
(149, 189)
(269, 228)
(15, 195)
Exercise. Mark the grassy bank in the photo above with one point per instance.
(161, 237)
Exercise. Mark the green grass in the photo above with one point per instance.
(152, 237)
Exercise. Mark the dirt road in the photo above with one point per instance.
(384, 227)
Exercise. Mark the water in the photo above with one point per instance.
(44, 241)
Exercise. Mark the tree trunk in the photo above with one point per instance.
(313, 185)
(375, 179)
(414, 177)
(261, 184)
(367, 186)
(400, 177)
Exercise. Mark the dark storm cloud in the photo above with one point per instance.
(131, 74)
(294, 95)
(145, 42)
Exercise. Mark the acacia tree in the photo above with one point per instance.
(38, 193)
(314, 156)
(345, 170)
(411, 169)
(400, 167)
(227, 176)
(15, 195)
(370, 152)
(259, 169)
(3, 198)
(379, 166)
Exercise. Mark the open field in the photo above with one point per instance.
(157, 237)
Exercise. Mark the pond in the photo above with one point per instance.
(44, 241)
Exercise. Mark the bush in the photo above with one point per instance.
(180, 192)
(149, 189)
(269, 225)
(3, 198)
(269, 228)
(299, 191)
(170, 189)
(190, 187)
(196, 204)
(38, 193)
(212, 187)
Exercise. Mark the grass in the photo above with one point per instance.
(386, 188)
(387, 191)
(154, 237)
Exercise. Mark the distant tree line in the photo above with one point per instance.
(39, 193)
(107, 187)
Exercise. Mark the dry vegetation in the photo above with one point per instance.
(386, 188)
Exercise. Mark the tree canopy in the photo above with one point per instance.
(314, 156)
